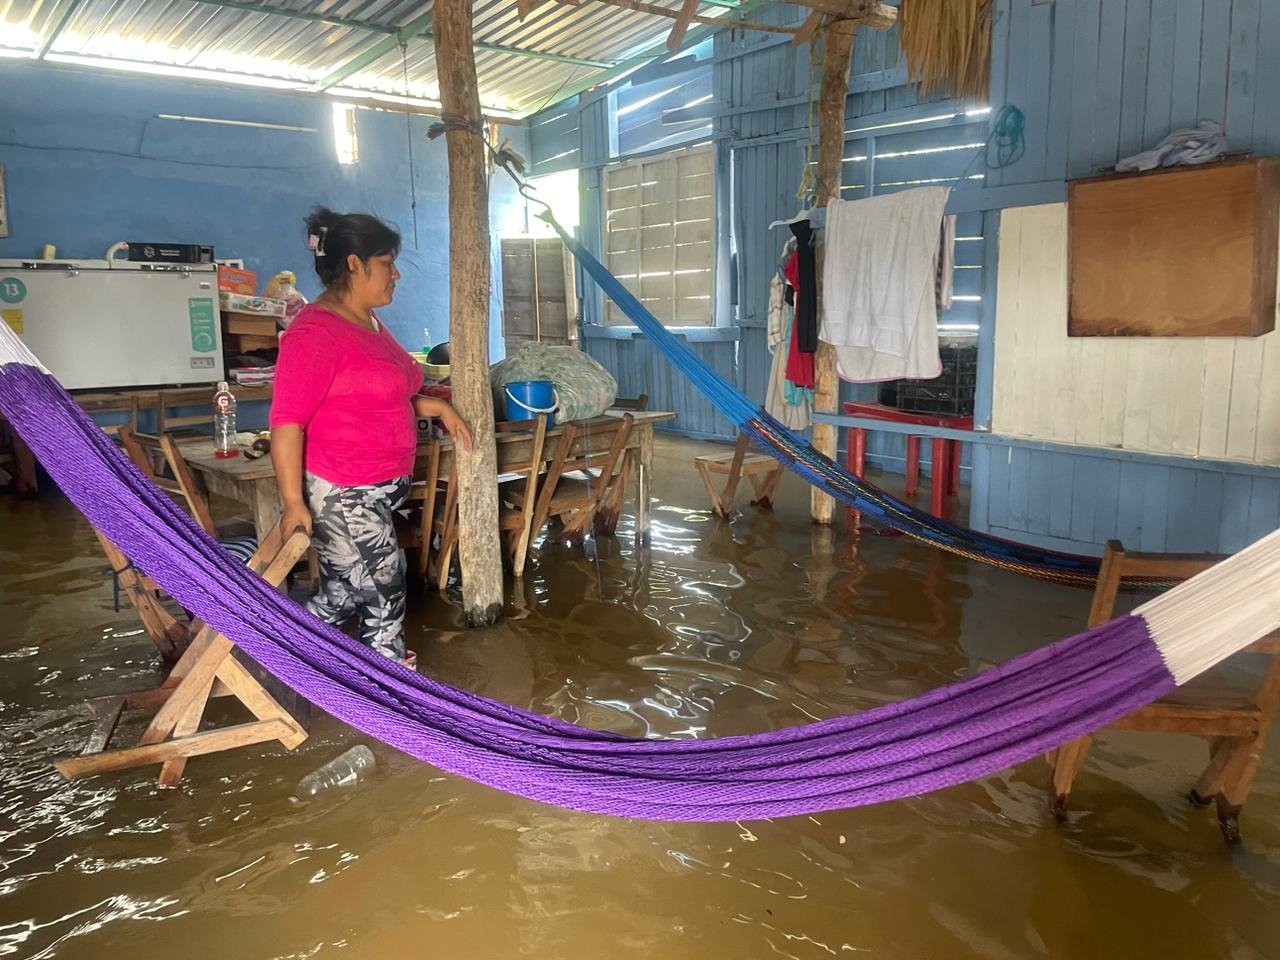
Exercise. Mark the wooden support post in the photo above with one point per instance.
(837, 57)
(479, 547)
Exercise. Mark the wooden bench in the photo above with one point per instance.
(762, 471)
(1236, 720)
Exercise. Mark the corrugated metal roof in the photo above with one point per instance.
(209, 36)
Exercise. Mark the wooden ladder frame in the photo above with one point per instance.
(209, 668)
(169, 634)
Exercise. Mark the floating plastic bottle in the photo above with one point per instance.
(341, 771)
(224, 422)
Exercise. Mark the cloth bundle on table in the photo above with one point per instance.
(879, 307)
(584, 389)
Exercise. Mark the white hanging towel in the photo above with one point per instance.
(879, 275)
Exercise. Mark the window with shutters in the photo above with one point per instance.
(660, 235)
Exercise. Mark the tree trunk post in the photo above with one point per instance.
(837, 57)
(479, 550)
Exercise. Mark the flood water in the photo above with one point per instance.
(718, 628)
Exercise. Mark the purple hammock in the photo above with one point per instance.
(957, 733)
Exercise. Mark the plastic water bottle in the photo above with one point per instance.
(341, 771)
(224, 422)
(426, 341)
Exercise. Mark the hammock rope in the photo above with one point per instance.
(953, 734)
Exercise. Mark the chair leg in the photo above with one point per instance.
(735, 473)
(1210, 783)
(769, 488)
(1238, 769)
(716, 507)
(1066, 764)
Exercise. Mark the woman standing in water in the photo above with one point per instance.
(343, 428)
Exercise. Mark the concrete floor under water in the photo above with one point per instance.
(718, 628)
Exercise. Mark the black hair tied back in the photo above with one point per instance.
(334, 237)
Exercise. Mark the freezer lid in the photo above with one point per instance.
(13, 266)
(35, 264)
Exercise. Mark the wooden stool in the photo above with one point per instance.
(761, 470)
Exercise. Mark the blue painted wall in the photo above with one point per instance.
(1098, 80)
(88, 163)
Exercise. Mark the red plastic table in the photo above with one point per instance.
(946, 453)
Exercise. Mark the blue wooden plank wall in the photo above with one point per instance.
(640, 368)
(554, 139)
(1098, 80)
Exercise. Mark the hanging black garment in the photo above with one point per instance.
(806, 326)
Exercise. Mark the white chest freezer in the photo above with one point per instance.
(104, 324)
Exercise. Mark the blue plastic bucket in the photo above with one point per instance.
(528, 398)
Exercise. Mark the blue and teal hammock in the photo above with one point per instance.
(798, 455)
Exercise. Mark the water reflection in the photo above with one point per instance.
(720, 628)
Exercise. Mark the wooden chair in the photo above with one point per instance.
(160, 459)
(576, 502)
(210, 667)
(170, 402)
(610, 512)
(416, 520)
(1236, 721)
(761, 470)
(517, 494)
(112, 403)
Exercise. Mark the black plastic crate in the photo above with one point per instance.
(950, 394)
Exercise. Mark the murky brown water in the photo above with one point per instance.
(717, 629)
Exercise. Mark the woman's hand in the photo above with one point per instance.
(296, 515)
(453, 423)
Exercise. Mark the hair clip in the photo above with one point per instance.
(315, 241)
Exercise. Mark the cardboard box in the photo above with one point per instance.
(251, 324)
(255, 306)
(233, 280)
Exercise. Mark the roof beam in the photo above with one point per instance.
(248, 7)
(343, 22)
(870, 13)
(676, 36)
(537, 54)
(61, 17)
(649, 54)
(728, 20)
(379, 50)
(392, 38)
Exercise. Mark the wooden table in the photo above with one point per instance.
(253, 482)
(946, 453)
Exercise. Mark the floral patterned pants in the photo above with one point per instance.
(361, 564)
